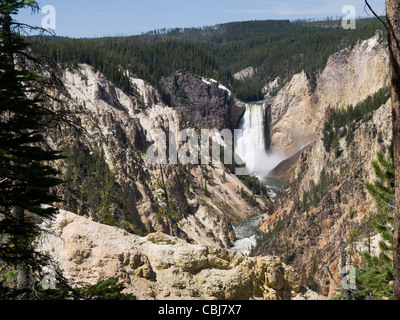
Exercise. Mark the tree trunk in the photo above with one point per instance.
(393, 16)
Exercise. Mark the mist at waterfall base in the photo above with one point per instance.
(250, 147)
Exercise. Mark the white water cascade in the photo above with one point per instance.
(250, 144)
(250, 147)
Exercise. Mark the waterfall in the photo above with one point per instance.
(250, 143)
(251, 146)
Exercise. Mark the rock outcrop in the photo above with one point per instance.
(353, 74)
(204, 103)
(160, 266)
(349, 77)
(271, 86)
(245, 74)
(294, 111)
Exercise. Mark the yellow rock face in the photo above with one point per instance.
(162, 267)
(349, 77)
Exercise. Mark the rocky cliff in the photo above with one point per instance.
(349, 77)
(204, 103)
(107, 172)
(294, 111)
(313, 216)
(324, 201)
(245, 74)
(162, 267)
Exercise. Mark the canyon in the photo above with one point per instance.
(170, 227)
(120, 128)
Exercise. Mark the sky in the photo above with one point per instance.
(97, 18)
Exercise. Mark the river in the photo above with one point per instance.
(251, 148)
(247, 231)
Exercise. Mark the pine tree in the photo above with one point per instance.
(382, 190)
(374, 280)
(25, 173)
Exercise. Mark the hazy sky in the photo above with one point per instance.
(94, 18)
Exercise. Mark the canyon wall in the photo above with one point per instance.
(324, 201)
(204, 103)
(110, 131)
(350, 76)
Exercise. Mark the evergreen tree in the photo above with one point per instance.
(25, 173)
(382, 190)
(374, 280)
(108, 289)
